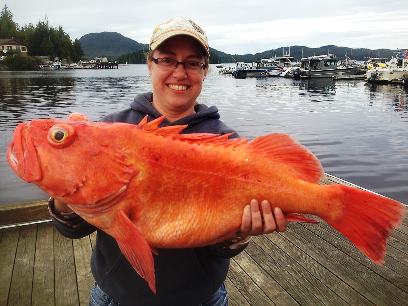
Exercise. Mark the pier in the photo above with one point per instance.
(308, 264)
(106, 65)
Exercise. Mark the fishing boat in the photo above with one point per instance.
(395, 72)
(320, 66)
(245, 70)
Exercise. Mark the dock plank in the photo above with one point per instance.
(268, 285)
(314, 291)
(314, 267)
(395, 268)
(82, 253)
(362, 279)
(243, 282)
(66, 290)
(8, 249)
(235, 298)
(43, 280)
(22, 279)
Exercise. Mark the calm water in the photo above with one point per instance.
(359, 132)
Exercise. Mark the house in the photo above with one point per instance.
(12, 46)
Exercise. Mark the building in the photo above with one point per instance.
(12, 46)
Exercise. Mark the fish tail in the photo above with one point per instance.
(366, 219)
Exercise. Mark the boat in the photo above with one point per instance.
(226, 70)
(320, 66)
(395, 72)
(245, 70)
(376, 62)
(292, 72)
(219, 66)
(272, 67)
(349, 69)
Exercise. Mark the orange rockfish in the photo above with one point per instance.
(151, 187)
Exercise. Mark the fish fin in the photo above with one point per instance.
(300, 218)
(366, 219)
(284, 149)
(150, 125)
(170, 130)
(136, 249)
(143, 121)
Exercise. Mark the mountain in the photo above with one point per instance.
(109, 44)
(298, 52)
(116, 46)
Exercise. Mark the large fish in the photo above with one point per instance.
(151, 187)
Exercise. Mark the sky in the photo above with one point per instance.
(233, 26)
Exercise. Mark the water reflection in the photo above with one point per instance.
(319, 85)
(399, 95)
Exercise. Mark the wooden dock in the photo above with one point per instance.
(309, 264)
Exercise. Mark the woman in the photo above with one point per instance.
(178, 64)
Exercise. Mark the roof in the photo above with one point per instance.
(11, 41)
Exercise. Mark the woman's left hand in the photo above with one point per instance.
(262, 219)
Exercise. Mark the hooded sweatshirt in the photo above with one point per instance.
(183, 276)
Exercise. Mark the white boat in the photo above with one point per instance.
(396, 71)
(320, 66)
(271, 66)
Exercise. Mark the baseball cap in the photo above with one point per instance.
(178, 26)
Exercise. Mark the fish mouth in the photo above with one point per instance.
(22, 155)
(101, 206)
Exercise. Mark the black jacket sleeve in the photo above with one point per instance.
(69, 225)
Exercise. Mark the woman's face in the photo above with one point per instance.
(175, 90)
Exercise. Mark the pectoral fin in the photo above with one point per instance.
(136, 249)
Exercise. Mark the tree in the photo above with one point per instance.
(78, 52)
(8, 28)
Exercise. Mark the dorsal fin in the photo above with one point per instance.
(282, 148)
(152, 125)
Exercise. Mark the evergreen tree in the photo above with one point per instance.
(78, 52)
(8, 28)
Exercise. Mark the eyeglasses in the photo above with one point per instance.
(171, 63)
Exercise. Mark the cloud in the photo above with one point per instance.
(234, 26)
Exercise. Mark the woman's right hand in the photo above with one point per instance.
(61, 207)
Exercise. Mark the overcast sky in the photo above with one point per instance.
(233, 26)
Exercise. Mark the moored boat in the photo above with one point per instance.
(349, 69)
(396, 71)
(321, 66)
(245, 70)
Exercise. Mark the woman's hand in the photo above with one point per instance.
(261, 219)
(61, 207)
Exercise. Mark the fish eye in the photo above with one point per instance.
(58, 135)
(61, 135)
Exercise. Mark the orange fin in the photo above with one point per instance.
(300, 218)
(136, 249)
(366, 219)
(284, 149)
(152, 125)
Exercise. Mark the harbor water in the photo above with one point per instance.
(358, 131)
